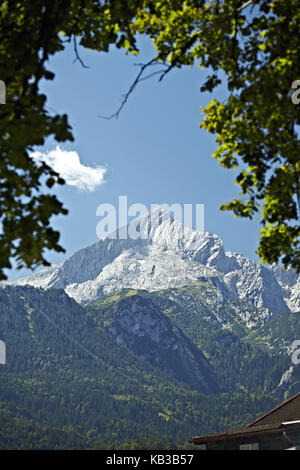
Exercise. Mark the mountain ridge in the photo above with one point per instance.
(168, 254)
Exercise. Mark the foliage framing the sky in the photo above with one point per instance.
(253, 43)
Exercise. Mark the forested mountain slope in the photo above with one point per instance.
(69, 375)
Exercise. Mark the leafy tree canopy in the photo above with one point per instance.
(30, 32)
(255, 46)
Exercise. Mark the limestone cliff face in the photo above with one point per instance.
(142, 327)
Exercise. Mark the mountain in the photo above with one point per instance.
(165, 327)
(75, 378)
(163, 335)
(137, 322)
(166, 255)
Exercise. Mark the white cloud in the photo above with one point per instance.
(67, 164)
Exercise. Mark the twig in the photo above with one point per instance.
(77, 54)
(245, 5)
(139, 78)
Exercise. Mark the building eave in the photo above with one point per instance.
(246, 433)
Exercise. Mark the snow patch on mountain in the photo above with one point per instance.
(166, 254)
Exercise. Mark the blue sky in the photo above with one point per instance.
(154, 152)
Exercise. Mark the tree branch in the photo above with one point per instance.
(77, 54)
(139, 78)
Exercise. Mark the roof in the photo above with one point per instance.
(289, 410)
(287, 414)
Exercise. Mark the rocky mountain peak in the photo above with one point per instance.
(156, 252)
